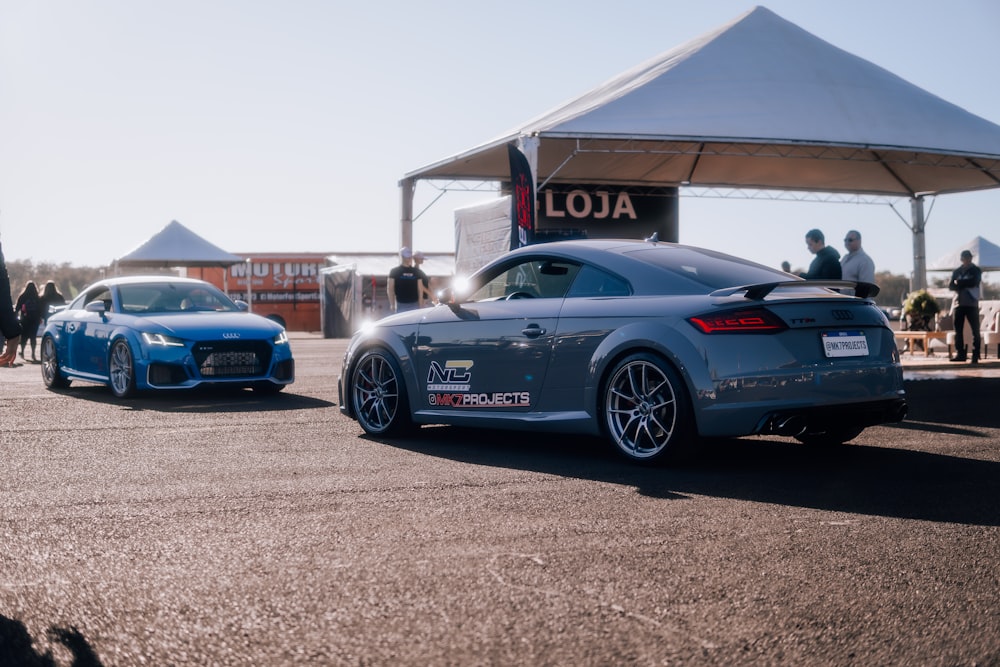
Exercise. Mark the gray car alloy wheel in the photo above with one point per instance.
(378, 395)
(644, 408)
(121, 369)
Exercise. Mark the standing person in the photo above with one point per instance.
(29, 312)
(826, 263)
(9, 326)
(425, 283)
(965, 282)
(50, 297)
(404, 284)
(856, 265)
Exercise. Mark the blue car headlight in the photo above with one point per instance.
(281, 339)
(160, 340)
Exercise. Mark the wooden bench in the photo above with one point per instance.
(925, 338)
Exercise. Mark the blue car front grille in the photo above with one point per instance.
(232, 359)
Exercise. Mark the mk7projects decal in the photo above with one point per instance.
(449, 387)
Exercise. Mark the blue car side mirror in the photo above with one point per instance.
(97, 306)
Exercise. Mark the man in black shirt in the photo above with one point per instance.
(965, 282)
(826, 263)
(404, 285)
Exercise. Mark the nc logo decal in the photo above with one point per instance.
(453, 372)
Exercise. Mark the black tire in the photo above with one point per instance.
(121, 369)
(51, 375)
(831, 437)
(378, 395)
(646, 410)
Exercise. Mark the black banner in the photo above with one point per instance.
(606, 211)
(522, 199)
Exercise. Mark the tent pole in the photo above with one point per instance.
(918, 280)
(407, 187)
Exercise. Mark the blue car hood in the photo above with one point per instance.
(210, 325)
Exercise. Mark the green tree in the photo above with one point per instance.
(68, 278)
(892, 289)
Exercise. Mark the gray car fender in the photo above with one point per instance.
(390, 340)
(660, 337)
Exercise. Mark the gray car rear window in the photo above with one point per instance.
(694, 271)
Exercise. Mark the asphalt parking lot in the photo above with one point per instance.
(230, 529)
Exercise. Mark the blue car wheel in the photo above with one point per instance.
(121, 368)
(51, 375)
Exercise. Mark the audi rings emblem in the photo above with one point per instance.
(842, 315)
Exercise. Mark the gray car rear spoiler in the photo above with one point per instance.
(761, 290)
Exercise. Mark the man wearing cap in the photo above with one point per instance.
(965, 282)
(405, 283)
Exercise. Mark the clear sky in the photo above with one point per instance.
(286, 126)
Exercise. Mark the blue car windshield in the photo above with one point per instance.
(173, 298)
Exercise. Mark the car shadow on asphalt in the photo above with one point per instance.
(17, 648)
(858, 479)
(953, 403)
(199, 400)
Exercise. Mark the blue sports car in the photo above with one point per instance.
(161, 332)
(651, 344)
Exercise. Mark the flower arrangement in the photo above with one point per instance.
(920, 308)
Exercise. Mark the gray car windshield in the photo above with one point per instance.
(173, 298)
(698, 271)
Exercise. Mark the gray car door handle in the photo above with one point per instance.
(533, 331)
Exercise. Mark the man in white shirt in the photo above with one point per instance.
(856, 265)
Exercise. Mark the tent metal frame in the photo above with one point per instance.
(916, 224)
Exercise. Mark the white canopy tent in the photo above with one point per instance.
(985, 255)
(759, 104)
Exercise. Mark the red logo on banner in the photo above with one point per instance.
(522, 205)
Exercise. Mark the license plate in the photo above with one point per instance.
(845, 344)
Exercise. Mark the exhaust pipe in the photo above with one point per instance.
(794, 425)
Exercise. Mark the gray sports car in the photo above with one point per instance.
(651, 344)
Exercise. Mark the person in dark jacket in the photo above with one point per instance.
(826, 263)
(965, 282)
(51, 296)
(10, 328)
(29, 312)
